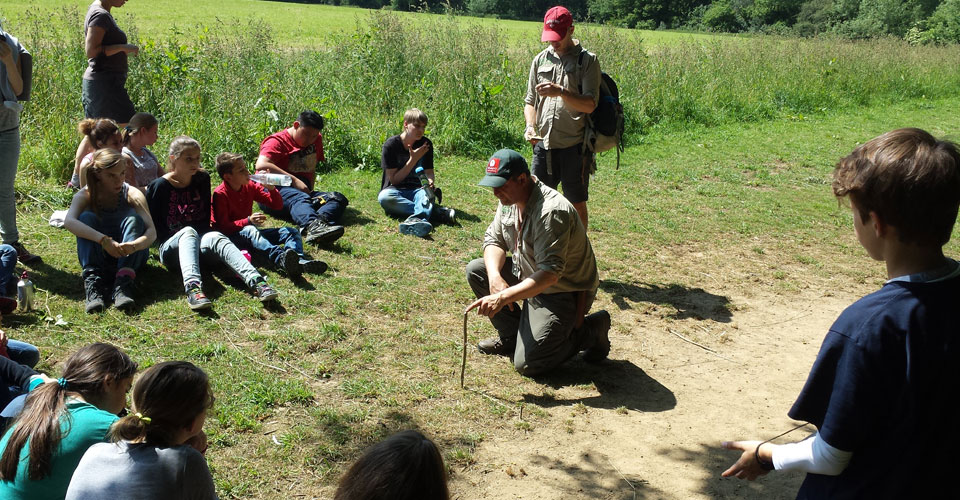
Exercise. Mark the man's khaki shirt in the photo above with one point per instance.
(557, 125)
(551, 238)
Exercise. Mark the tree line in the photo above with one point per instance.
(918, 21)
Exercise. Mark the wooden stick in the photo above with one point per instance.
(711, 351)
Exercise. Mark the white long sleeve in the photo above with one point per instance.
(813, 455)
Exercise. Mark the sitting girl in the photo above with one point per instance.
(405, 466)
(179, 202)
(97, 134)
(61, 420)
(143, 166)
(113, 228)
(149, 456)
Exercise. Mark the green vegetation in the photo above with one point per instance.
(732, 145)
(229, 83)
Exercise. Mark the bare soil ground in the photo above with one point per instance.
(648, 423)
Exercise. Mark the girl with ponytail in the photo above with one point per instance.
(150, 456)
(61, 420)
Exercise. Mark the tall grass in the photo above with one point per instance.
(230, 83)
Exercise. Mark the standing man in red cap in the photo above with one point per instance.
(562, 91)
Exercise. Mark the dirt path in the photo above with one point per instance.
(649, 422)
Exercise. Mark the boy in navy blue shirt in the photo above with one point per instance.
(883, 387)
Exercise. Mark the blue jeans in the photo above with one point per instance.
(268, 243)
(186, 247)
(9, 156)
(8, 263)
(121, 226)
(25, 354)
(300, 208)
(406, 202)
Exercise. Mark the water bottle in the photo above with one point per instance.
(25, 293)
(425, 182)
(272, 179)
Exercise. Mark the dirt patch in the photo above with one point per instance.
(648, 423)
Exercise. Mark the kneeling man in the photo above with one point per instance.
(551, 269)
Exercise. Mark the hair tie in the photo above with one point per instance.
(145, 420)
(128, 128)
(62, 382)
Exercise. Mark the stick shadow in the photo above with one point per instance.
(694, 303)
(619, 382)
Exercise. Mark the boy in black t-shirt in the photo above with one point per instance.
(402, 193)
(882, 389)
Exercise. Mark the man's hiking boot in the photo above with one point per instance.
(24, 255)
(123, 293)
(497, 346)
(93, 287)
(290, 262)
(196, 298)
(263, 291)
(599, 325)
(415, 226)
(319, 232)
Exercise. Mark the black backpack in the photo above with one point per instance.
(604, 129)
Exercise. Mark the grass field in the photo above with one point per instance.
(298, 25)
(374, 345)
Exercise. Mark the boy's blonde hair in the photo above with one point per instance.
(414, 115)
(910, 179)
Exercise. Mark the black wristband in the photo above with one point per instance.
(767, 466)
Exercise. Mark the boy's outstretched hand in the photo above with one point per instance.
(258, 219)
(746, 466)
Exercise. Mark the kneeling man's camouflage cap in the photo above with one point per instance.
(503, 165)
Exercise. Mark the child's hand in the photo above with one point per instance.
(258, 219)
(419, 152)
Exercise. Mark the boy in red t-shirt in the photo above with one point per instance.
(232, 215)
(296, 151)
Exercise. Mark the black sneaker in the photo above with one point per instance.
(93, 287)
(445, 215)
(599, 325)
(263, 291)
(319, 232)
(24, 255)
(314, 266)
(196, 298)
(290, 262)
(123, 293)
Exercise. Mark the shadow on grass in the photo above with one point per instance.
(713, 460)
(694, 303)
(619, 382)
(463, 215)
(593, 475)
(57, 281)
(354, 217)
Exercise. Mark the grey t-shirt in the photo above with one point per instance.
(136, 471)
(99, 17)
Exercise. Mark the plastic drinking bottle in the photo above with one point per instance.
(25, 293)
(272, 179)
(425, 182)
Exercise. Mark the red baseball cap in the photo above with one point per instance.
(556, 23)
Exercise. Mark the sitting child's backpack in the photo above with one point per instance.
(604, 129)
